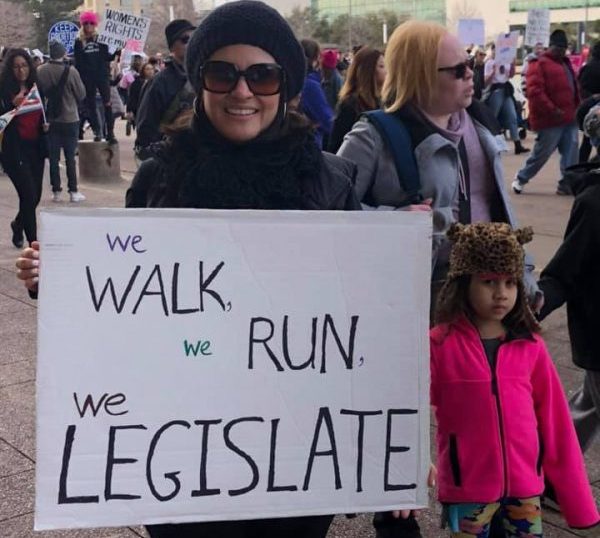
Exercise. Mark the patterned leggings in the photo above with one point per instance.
(522, 518)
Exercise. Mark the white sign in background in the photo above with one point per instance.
(118, 28)
(506, 47)
(538, 27)
(471, 31)
(239, 365)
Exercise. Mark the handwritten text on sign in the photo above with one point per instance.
(208, 365)
(117, 28)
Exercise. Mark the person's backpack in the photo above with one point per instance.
(54, 96)
(398, 140)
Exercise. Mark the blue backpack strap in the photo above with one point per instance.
(398, 140)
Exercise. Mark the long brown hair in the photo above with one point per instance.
(360, 79)
(453, 303)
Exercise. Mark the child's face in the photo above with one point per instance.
(492, 296)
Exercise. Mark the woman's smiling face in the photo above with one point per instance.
(240, 115)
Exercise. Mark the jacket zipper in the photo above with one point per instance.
(496, 395)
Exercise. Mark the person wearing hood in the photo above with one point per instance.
(168, 94)
(240, 147)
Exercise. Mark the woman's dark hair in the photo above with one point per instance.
(312, 50)
(453, 302)
(9, 85)
(360, 79)
(143, 68)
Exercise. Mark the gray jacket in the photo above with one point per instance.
(378, 187)
(48, 76)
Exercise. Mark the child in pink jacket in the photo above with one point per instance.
(503, 420)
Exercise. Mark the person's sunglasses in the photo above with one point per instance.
(184, 39)
(223, 77)
(88, 24)
(459, 70)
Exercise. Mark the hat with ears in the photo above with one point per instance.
(487, 247)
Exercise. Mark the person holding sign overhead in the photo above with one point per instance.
(241, 147)
(499, 94)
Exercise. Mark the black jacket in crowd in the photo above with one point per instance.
(573, 275)
(589, 78)
(346, 115)
(332, 190)
(92, 59)
(162, 99)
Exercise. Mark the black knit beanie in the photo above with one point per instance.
(558, 38)
(247, 22)
(175, 29)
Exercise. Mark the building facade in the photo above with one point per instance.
(499, 15)
(419, 9)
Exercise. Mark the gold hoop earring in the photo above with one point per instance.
(195, 107)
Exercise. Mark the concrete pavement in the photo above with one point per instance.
(538, 207)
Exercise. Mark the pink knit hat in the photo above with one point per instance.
(89, 16)
(329, 59)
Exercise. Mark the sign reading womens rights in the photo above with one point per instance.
(198, 365)
(506, 47)
(538, 27)
(118, 28)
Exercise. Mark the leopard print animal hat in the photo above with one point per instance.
(487, 247)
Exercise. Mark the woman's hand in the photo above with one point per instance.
(19, 98)
(28, 265)
(431, 478)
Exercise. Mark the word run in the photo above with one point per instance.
(164, 484)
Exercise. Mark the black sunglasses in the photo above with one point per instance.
(459, 70)
(222, 77)
(184, 39)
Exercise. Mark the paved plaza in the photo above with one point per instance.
(539, 207)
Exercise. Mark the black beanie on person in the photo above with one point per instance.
(175, 29)
(248, 22)
(558, 38)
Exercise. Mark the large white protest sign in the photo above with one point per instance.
(506, 47)
(538, 27)
(118, 29)
(471, 31)
(213, 365)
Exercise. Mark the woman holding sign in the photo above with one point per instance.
(240, 148)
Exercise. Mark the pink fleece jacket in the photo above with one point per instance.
(499, 433)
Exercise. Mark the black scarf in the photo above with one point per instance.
(208, 171)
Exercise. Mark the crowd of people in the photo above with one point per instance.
(245, 116)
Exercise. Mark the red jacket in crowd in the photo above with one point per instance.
(551, 89)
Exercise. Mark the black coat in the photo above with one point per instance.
(346, 115)
(573, 276)
(92, 60)
(331, 190)
(589, 78)
(161, 101)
